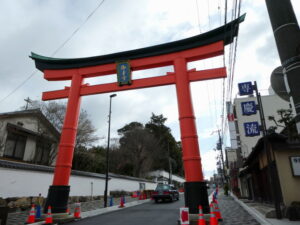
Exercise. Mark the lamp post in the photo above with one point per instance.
(107, 151)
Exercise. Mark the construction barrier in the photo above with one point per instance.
(184, 216)
(201, 220)
(38, 213)
(68, 211)
(31, 217)
(213, 220)
(217, 212)
(77, 211)
(49, 219)
(122, 202)
(111, 201)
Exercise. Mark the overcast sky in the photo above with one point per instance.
(41, 26)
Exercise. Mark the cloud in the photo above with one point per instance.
(209, 161)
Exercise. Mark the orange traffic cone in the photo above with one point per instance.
(217, 212)
(49, 219)
(213, 220)
(77, 211)
(68, 210)
(31, 217)
(121, 203)
(201, 220)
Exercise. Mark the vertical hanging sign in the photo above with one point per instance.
(245, 88)
(252, 129)
(248, 108)
(123, 73)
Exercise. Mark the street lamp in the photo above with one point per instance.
(107, 151)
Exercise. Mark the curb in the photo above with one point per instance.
(97, 212)
(253, 212)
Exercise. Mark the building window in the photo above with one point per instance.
(15, 146)
(42, 153)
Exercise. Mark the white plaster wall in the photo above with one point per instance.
(86, 186)
(128, 185)
(271, 104)
(18, 183)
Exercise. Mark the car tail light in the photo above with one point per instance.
(166, 192)
(155, 193)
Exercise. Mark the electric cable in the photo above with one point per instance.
(57, 50)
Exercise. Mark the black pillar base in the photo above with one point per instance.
(57, 198)
(195, 194)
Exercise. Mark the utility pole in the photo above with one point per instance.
(170, 165)
(219, 147)
(107, 152)
(28, 101)
(287, 36)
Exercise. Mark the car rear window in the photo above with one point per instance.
(162, 187)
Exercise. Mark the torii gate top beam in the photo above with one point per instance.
(224, 33)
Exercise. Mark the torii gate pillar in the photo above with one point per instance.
(195, 187)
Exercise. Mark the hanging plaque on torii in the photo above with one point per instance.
(176, 54)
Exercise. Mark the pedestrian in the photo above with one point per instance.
(39, 203)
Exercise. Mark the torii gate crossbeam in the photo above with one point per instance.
(177, 54)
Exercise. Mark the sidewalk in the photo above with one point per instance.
(233, 213)
(88, 209)
(258, 211)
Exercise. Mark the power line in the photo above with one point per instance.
(57, 50)
(78, 28)
(198, 16)
(20, 85)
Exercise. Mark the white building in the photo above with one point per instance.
(271, 104)
(27, 135)
(161, 176)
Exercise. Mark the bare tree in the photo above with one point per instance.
(55, 112)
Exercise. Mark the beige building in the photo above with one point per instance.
(28, 136)
(284, 164)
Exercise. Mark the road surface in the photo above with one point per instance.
(150, 213)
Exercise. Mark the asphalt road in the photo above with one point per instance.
(150, 213)
(146, 214)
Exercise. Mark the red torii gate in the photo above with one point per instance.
(177, 54)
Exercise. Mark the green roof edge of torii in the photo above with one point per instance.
(224, 33)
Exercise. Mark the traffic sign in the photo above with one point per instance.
(252, 129)
(248, 108)
(245, 88)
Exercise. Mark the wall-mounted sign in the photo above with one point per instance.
(245, 88)
(295, 165)
(123, 73)
(252, 129)
(248, 108)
